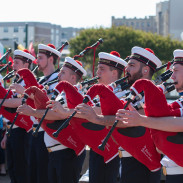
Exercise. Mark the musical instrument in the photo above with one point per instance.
(63, 46)
(139, 136)
(87, 49)
(29, 80)
(169, 143)
(4, 67)
(21, 120)
(9, 75)
(94, 46)
(16, 116)
(5, 55)
(89, 133)
(168, 64)
(68, 137)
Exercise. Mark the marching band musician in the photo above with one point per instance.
(110, 69)
(39, 157)
(173, 172)
(64, 164)
(142, 64)
(16, 143)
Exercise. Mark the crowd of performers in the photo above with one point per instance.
(132, 131)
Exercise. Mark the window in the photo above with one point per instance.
(5, 29)
(64, 34)
(15, 29)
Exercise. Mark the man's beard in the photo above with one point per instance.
(135, 77)
(180, 88)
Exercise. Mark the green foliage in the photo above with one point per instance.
(122, 39)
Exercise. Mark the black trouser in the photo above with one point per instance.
(16, 160)
(135, 172)
(174, 178)
(2, 152)
(64, 166)
(38, 159)
(100, 172)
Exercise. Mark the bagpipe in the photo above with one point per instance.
(80, 86)
(5, 66)
(9, 75)
(89, 133)
(169, 143)
(135, 133)
(68, 137)
(144, 149)
(119, 87)
(29, 80)
(5, 55)
(22, 121)
(163, 77)
(62, 100)
(87, 49)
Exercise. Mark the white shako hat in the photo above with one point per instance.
(112, 59)
(75, 65)
(145, 56)
(24, 56)
(178, 56)
(48, 50)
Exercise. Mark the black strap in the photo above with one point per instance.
(47, 77)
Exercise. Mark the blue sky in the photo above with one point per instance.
(76, 13)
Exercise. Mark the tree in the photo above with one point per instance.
(122, 39)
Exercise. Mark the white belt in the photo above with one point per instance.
(173, 170)
(124, 154)
(55, 148)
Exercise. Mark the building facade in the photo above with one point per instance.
(147, 24)
(162, 18)
(36, 32)
(175, 19)
(167, 21)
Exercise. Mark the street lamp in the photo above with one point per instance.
(26, 35)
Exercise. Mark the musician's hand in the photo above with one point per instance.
(25, 110)
(56, 106)
(17, 88)
(129, 117)
(3, 142)
(86, 112)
